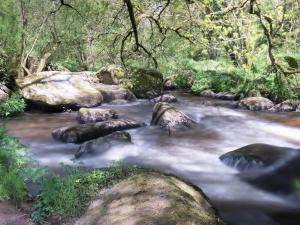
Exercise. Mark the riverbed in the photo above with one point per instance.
(192, 154)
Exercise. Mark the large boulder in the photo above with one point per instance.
(4, 92)
(256, 103)
(112, 93)
(168, 117)
(92, 115)
(256, 156)
(269, 167)
(285, 106)
(111, 74)
(102, 144)
(86, 132)
(164, 98)
(56, 89)
(151, 198)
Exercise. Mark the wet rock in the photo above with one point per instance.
(59, 90)
(4, 92)
(208, 94)
(164, 98)
(86, 132)
(256, 156)
(111, 74)
(119, 102)
(102, 144)
(115, 92)
(170, 84)
(93, 115)
(168, 117)
(255, 103)
(149, 94)
(286, 106)
(227, 96)
(151, 198)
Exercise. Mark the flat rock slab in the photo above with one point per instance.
(86, 132)
(92, 115)
(103, 144)
(151, 198)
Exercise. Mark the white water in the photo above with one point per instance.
(193, 155)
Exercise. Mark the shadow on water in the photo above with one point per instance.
(193, 155)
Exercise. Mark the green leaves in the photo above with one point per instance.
(12, 106)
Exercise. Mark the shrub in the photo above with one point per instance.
(12, 106)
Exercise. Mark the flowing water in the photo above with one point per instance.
(193, 155)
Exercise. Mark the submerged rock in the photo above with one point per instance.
(286, 106)
(102, 144)
(58, 90)
(164, 98)
(168, 117)
(231, 96)
(256, 156)
(256, 103)
(115, 92)
(151, 198)
(4, 92)
(93, 115)
(86, 132)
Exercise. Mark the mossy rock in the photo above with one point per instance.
(151, 198)
(145, 80)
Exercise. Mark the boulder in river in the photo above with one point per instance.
(256, 103)
(102, 144)
(114, 92)
(227, 96)
(4, 92)
(58, 90)
(168, 117)
(165, 98)
(111, 74)
(208, 94)
(170, 84)
(256, 156)
(151, 198)
(285, 106)
(92, 115)
(85, 132)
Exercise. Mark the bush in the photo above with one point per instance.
(12, 163)
(68, 195)
(12, 106)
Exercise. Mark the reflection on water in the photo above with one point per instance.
(192, 154)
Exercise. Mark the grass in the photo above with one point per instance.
(68, 195)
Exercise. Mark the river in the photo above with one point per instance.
(192, 155)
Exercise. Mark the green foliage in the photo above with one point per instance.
(68, 195)
(12, 163)
(143, 80)
(12, 106)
